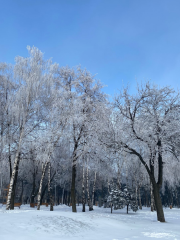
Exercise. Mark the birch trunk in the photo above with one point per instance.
(15, 168)
(12, 185)
(14, 188)
(44, 190)
(40, 185)
(94, 185)
(83, 193)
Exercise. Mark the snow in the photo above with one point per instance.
(27, 224)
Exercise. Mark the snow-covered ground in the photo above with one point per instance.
(100, 224)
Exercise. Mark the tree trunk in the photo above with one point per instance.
(14, 188)
(65, 197)
(158, 204)
(140, 204)
(152, 198)
(127, 208)
(146, 199)
(21, 196)
(62, 201)
(68, 197)
(49, 188)
(83, 193)
(40, 185)
(136, 194)
(118, 178)
(177, 200)
(127, 177)
(172, 203)
(94, 185)
(33, 188)
(156, 186)
(10, 165)
(44, 190)
(12, 185)
(73, 190)
(14, 172)
(88, 196)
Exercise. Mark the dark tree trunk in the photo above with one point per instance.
(158, 203)
(127, 208)
(21, 196)
(83, 193)
(65, 197)
(42, 195)
(10, 165)
(50, 188)
(68, 198)
(140, 204)
(33, 189)
(156, 185)
(73, 191)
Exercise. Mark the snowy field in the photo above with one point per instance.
(100, 224)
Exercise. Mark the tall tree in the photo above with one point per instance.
(27, 107)
(149, 119)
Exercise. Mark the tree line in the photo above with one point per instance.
(59, 134)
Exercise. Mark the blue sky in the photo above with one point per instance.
(122, 41)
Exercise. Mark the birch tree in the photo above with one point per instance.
(26, 109)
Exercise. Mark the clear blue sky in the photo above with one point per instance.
(123, 41)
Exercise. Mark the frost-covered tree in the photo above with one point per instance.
(147, 126)
(31, 75)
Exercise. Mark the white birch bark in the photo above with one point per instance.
(40, 185)
(14, 172)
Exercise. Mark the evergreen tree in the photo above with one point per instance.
(119, 199)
